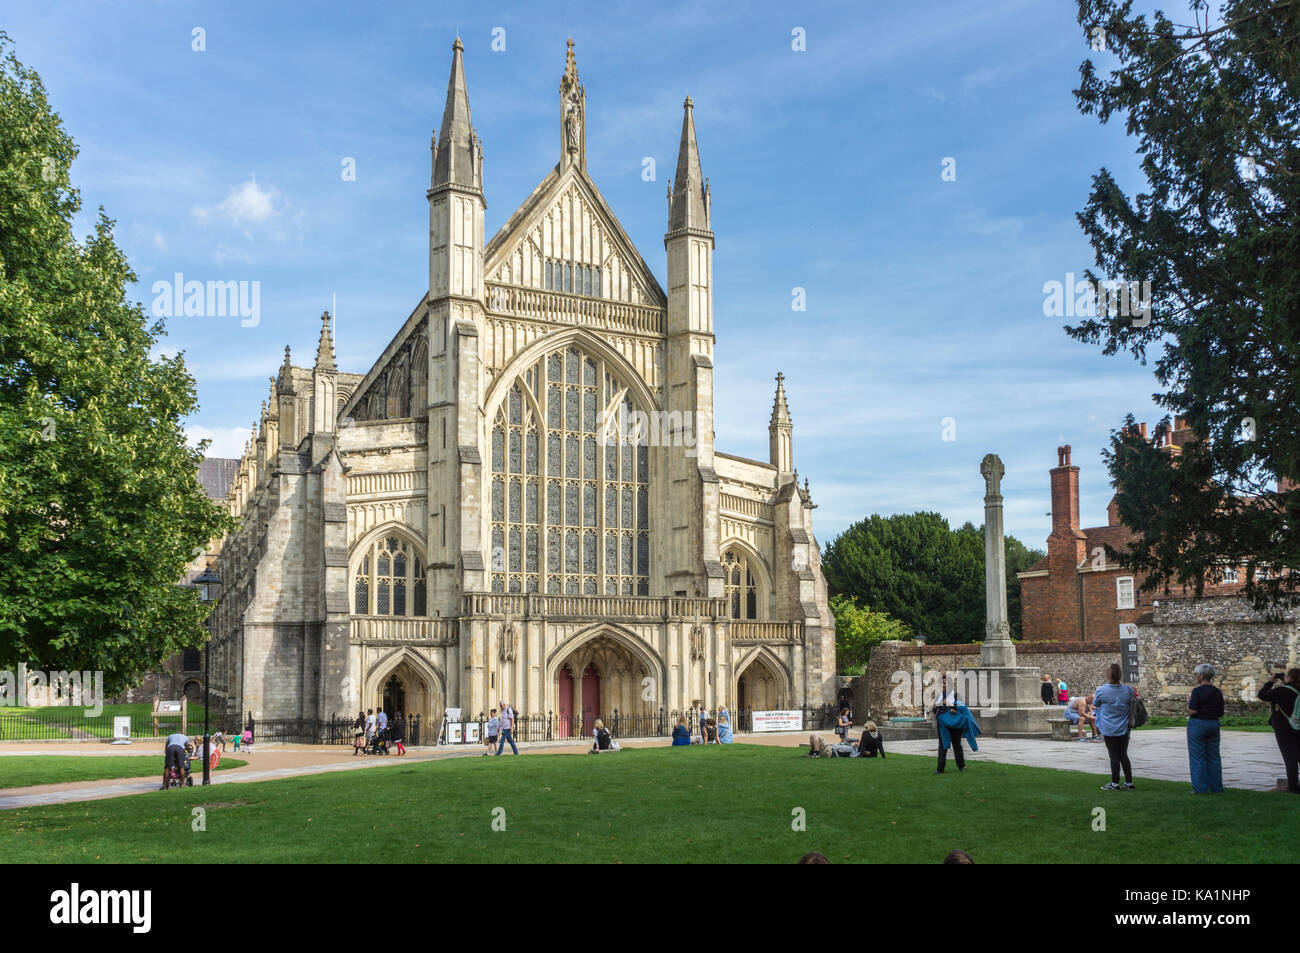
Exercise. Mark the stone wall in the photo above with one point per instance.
(878, 693)
(1225, 632)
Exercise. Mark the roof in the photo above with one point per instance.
(216, 474)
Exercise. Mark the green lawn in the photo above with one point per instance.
(671, 805)
(1227, 722)
(20, 771)
(58, 722)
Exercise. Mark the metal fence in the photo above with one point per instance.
(64, 724)
(552, 726)
(337, 730)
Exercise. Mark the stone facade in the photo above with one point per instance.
(1225, 632)
(521, 498)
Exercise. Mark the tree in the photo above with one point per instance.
(100, 505)
(858, 630)
(923, 573)
(1215, 108)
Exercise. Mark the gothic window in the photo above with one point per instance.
(389, 579)
(569, 513)
(572, 278)
(740, 586)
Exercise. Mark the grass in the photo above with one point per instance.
(1227, 722)
(21, 771)
(667, 805)
(61, 721)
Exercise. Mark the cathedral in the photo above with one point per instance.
(521, 498)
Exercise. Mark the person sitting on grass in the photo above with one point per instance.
(601, 740)
(1079, 711)
(871, 742)
(681, 734)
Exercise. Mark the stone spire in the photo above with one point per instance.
(325, 347)
(573, 115)
(689, 205)
(780, 431)
(458, 154)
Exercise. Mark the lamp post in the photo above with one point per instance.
(920, 660)
(207, 583)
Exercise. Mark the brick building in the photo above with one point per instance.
(1075, 593)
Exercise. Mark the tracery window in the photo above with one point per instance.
(573, 278)
(740, 586)
(569, 510)
(389, 580)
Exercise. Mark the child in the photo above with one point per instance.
(237, 738)
(248, 740)
(493, 729)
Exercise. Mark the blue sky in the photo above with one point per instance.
(924, 296)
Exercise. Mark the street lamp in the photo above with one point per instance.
(207, 583)
(920, 660)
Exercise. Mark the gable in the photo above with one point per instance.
(567, 223)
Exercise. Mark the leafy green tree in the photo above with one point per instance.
(858, 630)
(100, 505)
(1215, 109)
(917, 569)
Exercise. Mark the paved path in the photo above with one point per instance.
(1250, 758)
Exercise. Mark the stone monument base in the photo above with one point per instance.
(1006, 701)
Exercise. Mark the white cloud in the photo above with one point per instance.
(226, 441)
(225, 253)
(248, 202)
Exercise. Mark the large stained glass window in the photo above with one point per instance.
(388, 579)
(569, 508)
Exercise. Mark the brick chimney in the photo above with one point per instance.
(1065, 495)
(1065, 549)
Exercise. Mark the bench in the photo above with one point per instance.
(1062, 730)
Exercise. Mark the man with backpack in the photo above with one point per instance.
(507, 728)
(1283, 693)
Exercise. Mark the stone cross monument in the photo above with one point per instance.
(1003, 695)
(998, 650)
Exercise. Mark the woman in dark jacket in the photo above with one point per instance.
(871, 741)
(1204, 709)
(1282, 696)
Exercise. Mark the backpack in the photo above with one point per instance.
(1137, 712)
(1292, 719)
(602, 739)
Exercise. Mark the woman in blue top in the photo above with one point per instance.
(1204, 709)
(1113, 702)
(681, 734)
(724, 725)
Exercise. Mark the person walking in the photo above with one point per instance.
(1114, 701)
(507, 728)
(370, 725)
(493, 730)
(1283, 693)
(1204, 709)
(399, 732)
(843, 723)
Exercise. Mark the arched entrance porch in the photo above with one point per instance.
(402, 681)
(604, 673)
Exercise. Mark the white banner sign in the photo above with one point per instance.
(778, 721)
(122, 726)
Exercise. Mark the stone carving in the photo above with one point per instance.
(573, 121)
(506, 651)
(697, 641)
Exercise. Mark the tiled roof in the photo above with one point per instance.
(216, 475)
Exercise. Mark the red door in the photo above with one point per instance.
(590, 699)
(564, 702)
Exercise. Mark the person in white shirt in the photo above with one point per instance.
(370, 723)
(507, 728)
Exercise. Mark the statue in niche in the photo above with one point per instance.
(573, 121)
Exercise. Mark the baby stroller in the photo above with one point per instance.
(378, 744)
(176, 779)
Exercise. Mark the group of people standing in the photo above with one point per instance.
(1110, 711)
(374, 731)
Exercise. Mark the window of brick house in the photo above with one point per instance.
(1229, 576)
(1124, 592)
